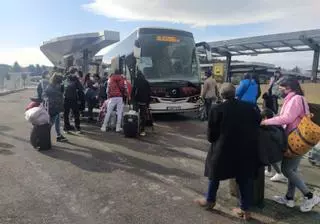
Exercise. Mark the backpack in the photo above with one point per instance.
(272, 144)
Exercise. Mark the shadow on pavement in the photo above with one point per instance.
(282, 213)
(95, 160)
(6, 145)
(185, 124)
(4, 128)
(149, 144)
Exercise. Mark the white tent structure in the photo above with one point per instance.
(77, 50)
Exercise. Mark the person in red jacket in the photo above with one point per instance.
(116, 91)
(128, 87)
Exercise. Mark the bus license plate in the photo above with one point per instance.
(173, 108)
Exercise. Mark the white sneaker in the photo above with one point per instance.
(284, 201)
(268, 174)
(119, 130)
(142, 134)
(279, 178)
(308, 204)
(103, 129)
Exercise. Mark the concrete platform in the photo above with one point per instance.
(105, 178)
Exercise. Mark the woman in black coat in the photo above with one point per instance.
(233, 129)
(141, 96)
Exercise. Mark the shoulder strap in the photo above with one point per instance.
(304, 105)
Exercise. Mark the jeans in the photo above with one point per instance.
(74, 106)
(289, 169)
(91, 104)
(208, 104)
(56, 121)
(143, 110)
(275, 166)
(115, 102)
(245, 188)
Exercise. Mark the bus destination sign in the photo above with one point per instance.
(168, 39)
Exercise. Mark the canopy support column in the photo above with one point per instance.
(228, 68)
(315, 65)
(85, 64)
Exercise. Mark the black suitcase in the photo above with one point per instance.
(40, 137)
(131, 121)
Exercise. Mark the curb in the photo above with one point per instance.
(12, 91)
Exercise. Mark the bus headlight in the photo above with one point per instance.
(194, 99)
(154, 100)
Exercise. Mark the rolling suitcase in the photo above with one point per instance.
(40, 137)
(131, 121)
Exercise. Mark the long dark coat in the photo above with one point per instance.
(233, 131)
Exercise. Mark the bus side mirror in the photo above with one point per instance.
(206, 47)
(137, 49)
(209, 55)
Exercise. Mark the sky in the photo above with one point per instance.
(26, 24)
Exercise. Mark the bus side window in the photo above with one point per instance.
(194, 64)
(124, 70)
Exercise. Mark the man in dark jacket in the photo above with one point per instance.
(141, 95)
(71, 100)
(53, 97)
(233, 129)
(44, 82)
(270, 98)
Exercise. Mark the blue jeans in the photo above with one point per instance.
(245, 188)
(289, 169)
(56, 121)
(275, 166)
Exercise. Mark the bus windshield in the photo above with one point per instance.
(168, 58)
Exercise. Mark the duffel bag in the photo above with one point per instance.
(304, 137)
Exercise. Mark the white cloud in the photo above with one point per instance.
(274, 15)
(24, 56)
(204, 12)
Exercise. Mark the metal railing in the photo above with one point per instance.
(16, 81)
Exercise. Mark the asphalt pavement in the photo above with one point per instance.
(105, 178)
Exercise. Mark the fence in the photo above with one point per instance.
(16, 81)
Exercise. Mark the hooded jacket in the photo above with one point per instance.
(141, 91)
(72, 87)
(55, 99)
(116, 86)
(293, 109)
(248, 91)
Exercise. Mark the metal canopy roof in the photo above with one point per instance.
(276, 43)
(242, 64)
(59, 48)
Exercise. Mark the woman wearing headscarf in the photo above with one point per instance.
(141, 96)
